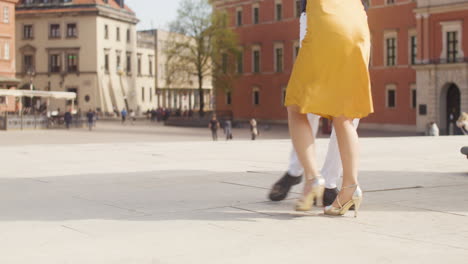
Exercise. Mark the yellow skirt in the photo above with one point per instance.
(331, 75)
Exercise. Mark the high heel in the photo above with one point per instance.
(316, 192)
(356, 200)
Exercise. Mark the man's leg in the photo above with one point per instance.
(294, 174)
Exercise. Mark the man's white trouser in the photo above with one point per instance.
(332, 168)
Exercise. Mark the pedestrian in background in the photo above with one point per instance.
(132, 116)
(90, 117)
(68, 119)
(214, 126)
(124, 115)
(228, 129)
(253, 128)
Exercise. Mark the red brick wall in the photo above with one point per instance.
(269, 31)
(264, 34)
(382, 18)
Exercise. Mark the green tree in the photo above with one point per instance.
(199, 45)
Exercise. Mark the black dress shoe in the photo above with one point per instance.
(281, 188)
(329, 196)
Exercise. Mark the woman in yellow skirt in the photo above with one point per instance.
(331, 79)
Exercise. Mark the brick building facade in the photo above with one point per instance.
(413, 82)
(7, 53)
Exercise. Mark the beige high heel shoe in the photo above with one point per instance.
(306, 202)
(356, 200)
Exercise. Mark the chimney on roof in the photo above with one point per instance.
(121, 3)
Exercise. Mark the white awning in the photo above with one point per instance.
(29, 93)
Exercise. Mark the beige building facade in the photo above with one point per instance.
(93, 48)
(179, 93)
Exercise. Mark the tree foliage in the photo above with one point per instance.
(200, 40)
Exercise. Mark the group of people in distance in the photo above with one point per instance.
(214, 125)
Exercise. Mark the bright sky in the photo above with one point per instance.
(154, 12)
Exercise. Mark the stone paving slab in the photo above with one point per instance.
(205, 202)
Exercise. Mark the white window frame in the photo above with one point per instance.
(6, 51)
(277, 2)
(275, 47)
(389, 35)
(452, 26)
(390, 87)
(257, 48)
(253, 13)
(6, 14)
(241, 22)
(412, 33)
(254, 90)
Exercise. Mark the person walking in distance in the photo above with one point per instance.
(124, 115)
(214, 126)
(253, 128)
(90, 118)
(228, 129)
(331, 170)
(337, 43)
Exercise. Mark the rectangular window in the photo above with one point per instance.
(391, 98)
(298, 8)
(139, 65)
(240, 62)
(256, 97)
(106, 62)
(151, 94)
(256, 15)
(6, 51)
(256, 61)
(128, 36)
(151, 67)
(224, 63)
(413, 99)
(54, 31)
(391, 51)
(239, 18)
(142, 94)
(106, 31)
(72, 62)
(6, 14)
(414, 49)
(390, 2)
(72, 30)
(54, 63)
(118, 64)
(129, 63)
(279, 59)
(279, 11)
(27, 63)
(452, 46)
(228, 98)
(28, 32)
(118, 34)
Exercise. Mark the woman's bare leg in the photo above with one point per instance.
(348, 142)
(304, 143)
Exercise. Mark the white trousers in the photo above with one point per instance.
(332, 168)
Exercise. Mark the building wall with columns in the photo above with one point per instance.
(442, 76)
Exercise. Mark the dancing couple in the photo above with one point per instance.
(330, 79)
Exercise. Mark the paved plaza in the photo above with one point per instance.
(169, 195)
